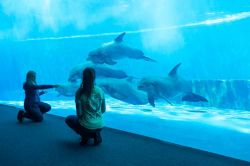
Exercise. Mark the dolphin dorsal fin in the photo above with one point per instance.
(119, 38)
(173, 72)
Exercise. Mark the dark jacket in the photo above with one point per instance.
(32, 93)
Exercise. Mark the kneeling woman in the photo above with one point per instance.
(34, 108)
(90, 105)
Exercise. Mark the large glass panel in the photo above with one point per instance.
(175, 70)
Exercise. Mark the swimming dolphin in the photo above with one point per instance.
(123, 90)
(109, 52)
(68, 89)
(101, 71)
(168, 87)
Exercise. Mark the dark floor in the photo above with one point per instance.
(53, 143)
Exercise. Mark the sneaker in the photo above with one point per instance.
(20, 116)
(97, 138)
(83, 141)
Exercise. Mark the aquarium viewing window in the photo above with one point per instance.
(178, 73)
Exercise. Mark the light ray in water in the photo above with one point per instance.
(225, 19)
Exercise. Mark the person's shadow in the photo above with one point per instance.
(74, 144)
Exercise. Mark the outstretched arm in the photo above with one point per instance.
(35, 87)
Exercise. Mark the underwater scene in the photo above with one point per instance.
(174, 70)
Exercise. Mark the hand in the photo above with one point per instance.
(56, 86)
(42, 92)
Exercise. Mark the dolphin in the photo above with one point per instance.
(123, 90)
(68, 89)
(169, 87)
(115, 50)
(101, 71)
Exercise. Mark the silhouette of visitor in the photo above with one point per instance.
(90, 105)
(34, 108)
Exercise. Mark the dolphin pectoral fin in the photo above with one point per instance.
(151, 100)
(110, 61)
(191, 97)
(119, 38)
(118, 96)
(166, 100)
(148, 59)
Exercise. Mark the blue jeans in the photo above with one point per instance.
(35, 111)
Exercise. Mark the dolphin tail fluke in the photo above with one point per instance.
(191, 97)
(149, 59)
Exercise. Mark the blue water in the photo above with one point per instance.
(210, 38)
